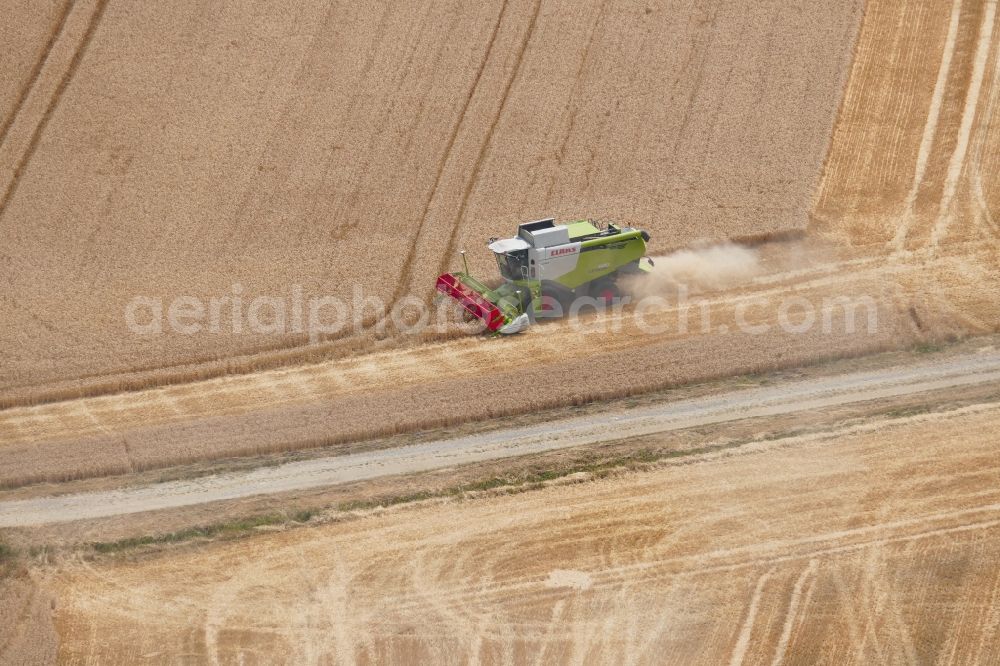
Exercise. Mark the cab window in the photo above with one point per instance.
(511, 263)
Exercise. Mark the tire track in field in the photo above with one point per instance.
(488, 140)
(388, 109)
(573, 104)
(777, 552)
(249, 196)
(50, 108)
(828, 547)
(710, 24)
(898, 242)
(991, 620)
(405, 279)
(23, 617)
(992, 227)
(958, 159)
(791, 615)
(771, 553)
(36, 71)
(743, 641)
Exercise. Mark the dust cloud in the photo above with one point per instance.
(700, 268)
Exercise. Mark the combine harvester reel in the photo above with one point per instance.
(545, 268)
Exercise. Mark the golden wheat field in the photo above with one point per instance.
(180, 150)
(850, 149)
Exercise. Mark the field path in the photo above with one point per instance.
(977, 368)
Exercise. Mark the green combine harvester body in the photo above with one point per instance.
(545, 268)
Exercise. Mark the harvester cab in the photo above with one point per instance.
(545, 268)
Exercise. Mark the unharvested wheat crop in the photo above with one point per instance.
(169, 149)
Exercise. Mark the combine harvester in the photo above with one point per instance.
(545, 268)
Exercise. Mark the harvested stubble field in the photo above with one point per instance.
(875, 544)
(26, 632)
(915, 158)
(178, 150)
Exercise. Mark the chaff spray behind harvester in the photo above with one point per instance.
(545, 268)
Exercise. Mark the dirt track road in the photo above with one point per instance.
(977, 368)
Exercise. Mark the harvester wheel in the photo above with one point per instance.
(605, 290)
